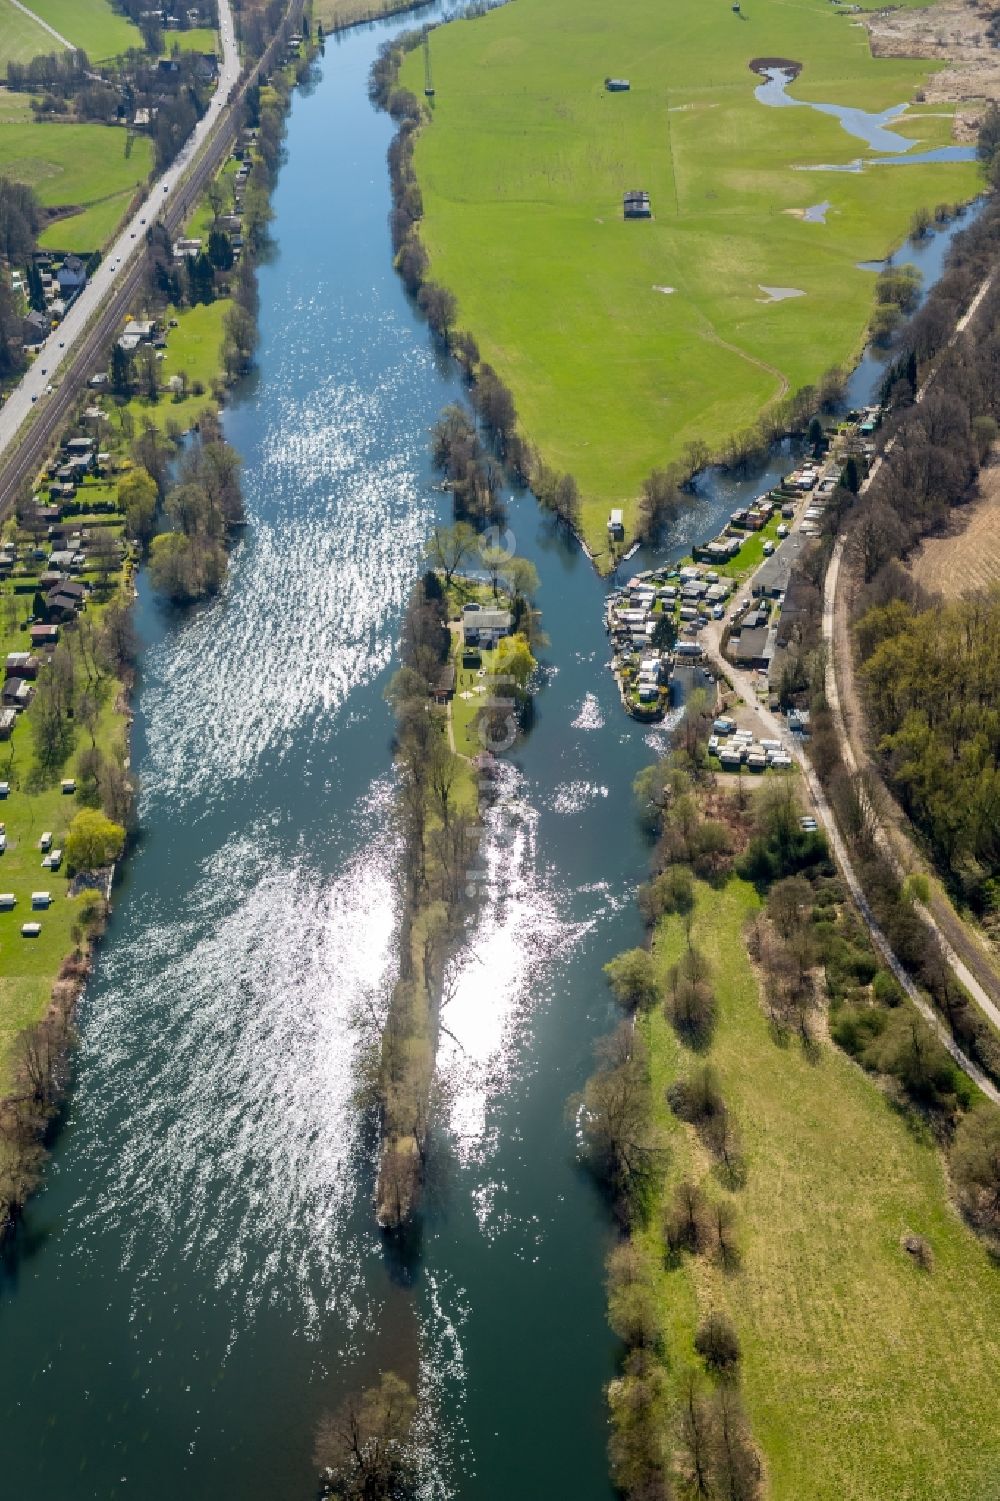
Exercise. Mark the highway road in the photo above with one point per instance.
(168, 191)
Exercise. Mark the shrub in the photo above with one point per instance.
(632, 977)
(718, 1344)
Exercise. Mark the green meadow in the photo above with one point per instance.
(21, 38)
(865, 1377)
(89, 167)
(89, 24)
(623, 342)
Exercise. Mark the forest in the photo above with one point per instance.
(931, 676)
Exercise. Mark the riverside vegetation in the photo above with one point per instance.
(447, 771)
(788, 1253)
(79, 715)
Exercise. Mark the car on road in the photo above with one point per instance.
(133, 234)
(62, 343)
(44, 371)
(34, 395)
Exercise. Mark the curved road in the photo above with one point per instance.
(168, 190)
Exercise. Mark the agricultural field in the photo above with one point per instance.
(625, 341)
(90, 24)
(21, 38)
(968, 558)
(865, 1377)
(91, 167)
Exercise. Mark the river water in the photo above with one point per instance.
(201, 1277)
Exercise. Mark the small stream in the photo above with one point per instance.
(863, 125)
(201, 1277)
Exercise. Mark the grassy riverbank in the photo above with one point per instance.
(864, 1375)
(623, 342)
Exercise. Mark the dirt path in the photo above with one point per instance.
(44, 25)
(745, 686)
(752, 359)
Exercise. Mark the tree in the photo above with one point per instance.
(975, 1163)
(620, 1140)
(718, 1343)
(364, 1450)
(632, 977)
(93, 841)
(449, 546)
(138, 497)
(220, 250)
(121, 371)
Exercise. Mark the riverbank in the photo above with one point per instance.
(786, 1168)
(94, 529)
(582, 295)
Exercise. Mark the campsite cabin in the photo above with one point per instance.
(617, 85)
(8, 719)
(30, 929)
(68, 785)
(41, 899)
(8, 901)
(616, 526)
(4, 790)
(45, 843)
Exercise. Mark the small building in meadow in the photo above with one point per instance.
(617, 85)
(637, 205)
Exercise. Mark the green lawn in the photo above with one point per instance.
(193, 347)
(523, 168)
(90, 229)
(86, 166)
(865, 1378)
(90, 24)
(21, 38)
(198, 39)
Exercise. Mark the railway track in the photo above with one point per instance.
(23, 461)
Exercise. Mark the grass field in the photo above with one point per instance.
(522, 170)
(193, 347)
(197, 39)
(80, 165)
(90, 24)
(21, 38)
(865, 1378)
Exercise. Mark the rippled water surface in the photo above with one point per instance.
(201, 1277)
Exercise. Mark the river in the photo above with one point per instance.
(201, 1277)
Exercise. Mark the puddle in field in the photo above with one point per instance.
(779, 294)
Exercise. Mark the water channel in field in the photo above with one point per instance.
(201, 1276)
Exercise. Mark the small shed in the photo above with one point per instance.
(8, 719)
(41, 899)
(616, 526)
(636, 205)
(8, 901)
(30, 929)
(617, 85)
(444, 688)
(68, 786)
